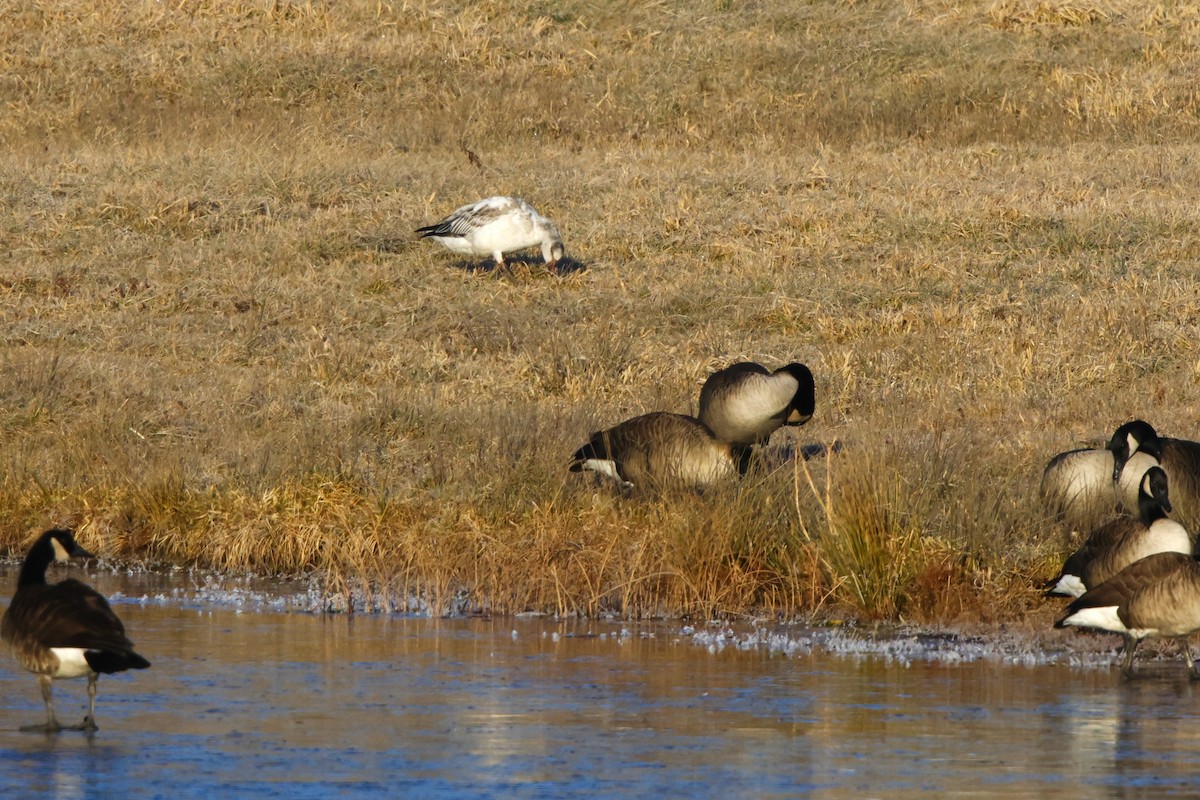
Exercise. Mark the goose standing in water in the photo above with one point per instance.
(1125, 539)
(1155, 597)
(657, 451)
(495, 226)
(1083, 488)
(745, 403)
(65, 629)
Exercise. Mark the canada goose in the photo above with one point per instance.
(1078, 486)
(64, 630)
(1179, 457)
(1125, 539)
(745, 403)
(496, 226)
(658, 450)
(1155, 597)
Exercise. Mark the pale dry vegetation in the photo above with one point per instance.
(223, 346)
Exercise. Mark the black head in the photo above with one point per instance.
(1137, 436)
(1152, 494)
(805, 401)
(594, 449)
(62, 544)
(56, 544)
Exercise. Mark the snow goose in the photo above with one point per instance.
(495, 226)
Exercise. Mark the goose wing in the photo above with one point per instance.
(471, 217)
(66, 614)
(1123, 587)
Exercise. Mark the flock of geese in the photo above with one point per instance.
(1134, 575)
(68, 630)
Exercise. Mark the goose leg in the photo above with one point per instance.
(1187, 656)
(89, 722)
(1131, 645)
(51, 726)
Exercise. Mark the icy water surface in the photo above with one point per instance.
(274, 704)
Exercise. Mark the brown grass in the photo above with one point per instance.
(223, 346)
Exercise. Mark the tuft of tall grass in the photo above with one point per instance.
(872, 546)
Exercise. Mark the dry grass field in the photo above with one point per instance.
(223, 345)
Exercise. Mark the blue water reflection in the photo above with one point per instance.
(292, 705)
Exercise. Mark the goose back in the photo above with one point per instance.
(67, 615)
(1077, 486)
(745, 403)
(657, 451)
(1157, 596)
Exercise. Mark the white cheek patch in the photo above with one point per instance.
(607, 467)
(1132, 442)
(60, 552)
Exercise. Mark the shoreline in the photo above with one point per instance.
(1031, 642)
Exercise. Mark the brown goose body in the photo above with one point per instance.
(1125, 539)
(66, 629)
(745, 403)
(658, 451)
(1155, 597)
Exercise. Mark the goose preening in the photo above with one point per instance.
(495, 226)
(1125, 539)
(1155, 597)
(659, 450)
(1179, 457)
(65, 629)
(745, 403)
(1082, 488)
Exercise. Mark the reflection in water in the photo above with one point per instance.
(292, 705)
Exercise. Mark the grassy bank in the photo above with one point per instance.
(223, 346)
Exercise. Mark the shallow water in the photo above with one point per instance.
(275, 704)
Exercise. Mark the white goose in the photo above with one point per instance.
(496, 226)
